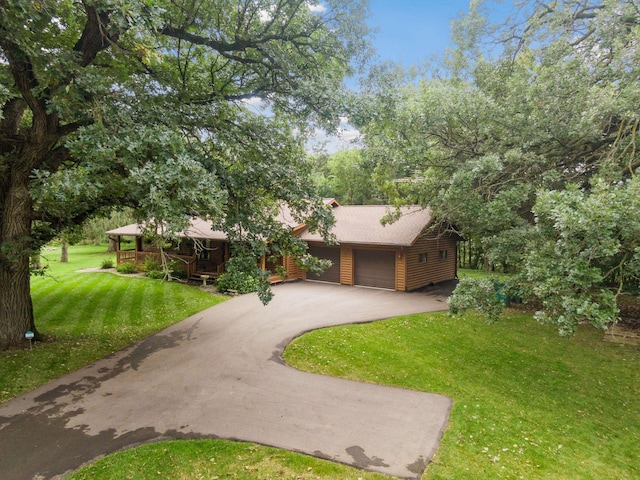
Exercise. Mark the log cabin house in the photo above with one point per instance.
(404, 255)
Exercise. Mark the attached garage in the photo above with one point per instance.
(375, 268)
(331, 274)
(402, 255)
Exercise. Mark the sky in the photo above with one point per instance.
(409, 32)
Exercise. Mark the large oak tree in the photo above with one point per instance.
(174, 107)
(532, 150)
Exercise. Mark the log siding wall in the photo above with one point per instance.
(401, 270)
(435, 269)
(410, 273)
(346, 266)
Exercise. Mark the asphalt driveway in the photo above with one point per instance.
(219, 374)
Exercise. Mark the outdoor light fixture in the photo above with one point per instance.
(29, 336)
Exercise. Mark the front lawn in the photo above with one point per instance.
(527, 403)
(85, 316)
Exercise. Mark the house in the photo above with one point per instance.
(201, 251)
(404, 255)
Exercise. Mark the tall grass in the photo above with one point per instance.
(85, 316)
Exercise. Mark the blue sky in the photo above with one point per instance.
(412, 31)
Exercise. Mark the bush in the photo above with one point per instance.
(179, 273)
(107, 263)
(151, 265)
(240, 282)
(126, 268)
(481, 294)
(155, 274)
(244, 276)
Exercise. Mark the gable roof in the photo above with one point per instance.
(198, 228)
(355, 224)
(203, 229)
(360, 224)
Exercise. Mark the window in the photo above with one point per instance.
(422, 257)
(443, 254)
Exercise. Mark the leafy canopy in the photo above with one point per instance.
(174, 108)
(530, 151)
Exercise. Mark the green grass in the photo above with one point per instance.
(469, 273)
(527, 403)
(85, 316)
(215, 459)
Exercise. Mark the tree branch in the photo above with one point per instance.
(95, 37)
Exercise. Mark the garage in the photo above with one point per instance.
(375, 268)
(331, 274)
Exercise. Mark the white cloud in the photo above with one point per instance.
(318, 8)
(264, 16)
(349, 134)
(253, 102)
(345, 139)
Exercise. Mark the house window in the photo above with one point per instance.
(422, 257)
(443, 254)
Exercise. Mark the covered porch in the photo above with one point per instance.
(208, 258)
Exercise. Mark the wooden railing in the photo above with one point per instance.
(186, 262)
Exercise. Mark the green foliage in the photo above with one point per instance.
(107, 263)
(244, 276)
(175, 111)
(348, 176)
(584, 241)
(126, 268)
(150, 264)
(93, 231)
(531, 154)
(480, 294)
(155, 274)
(177, 270)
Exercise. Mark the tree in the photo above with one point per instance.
(348, 176)
(138, 103)
(501, 145)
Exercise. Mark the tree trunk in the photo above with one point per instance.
(16, 309)
(64, 253)
(113, 245)
(36, 262)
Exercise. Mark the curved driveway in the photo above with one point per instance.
(220, 374)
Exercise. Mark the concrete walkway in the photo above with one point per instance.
(220, 374)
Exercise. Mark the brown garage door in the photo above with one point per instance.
(331, 274)
(375, 268)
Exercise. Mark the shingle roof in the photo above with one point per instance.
(360, 224)
(198, 229)
(355, 224)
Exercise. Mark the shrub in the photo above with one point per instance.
(151, 265)
(240, 282)
(481, 294)
(155, 274)
(179, 273)
(243, 276)
(107, 263)
(126, 268)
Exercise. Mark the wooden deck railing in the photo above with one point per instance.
(186, 262)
